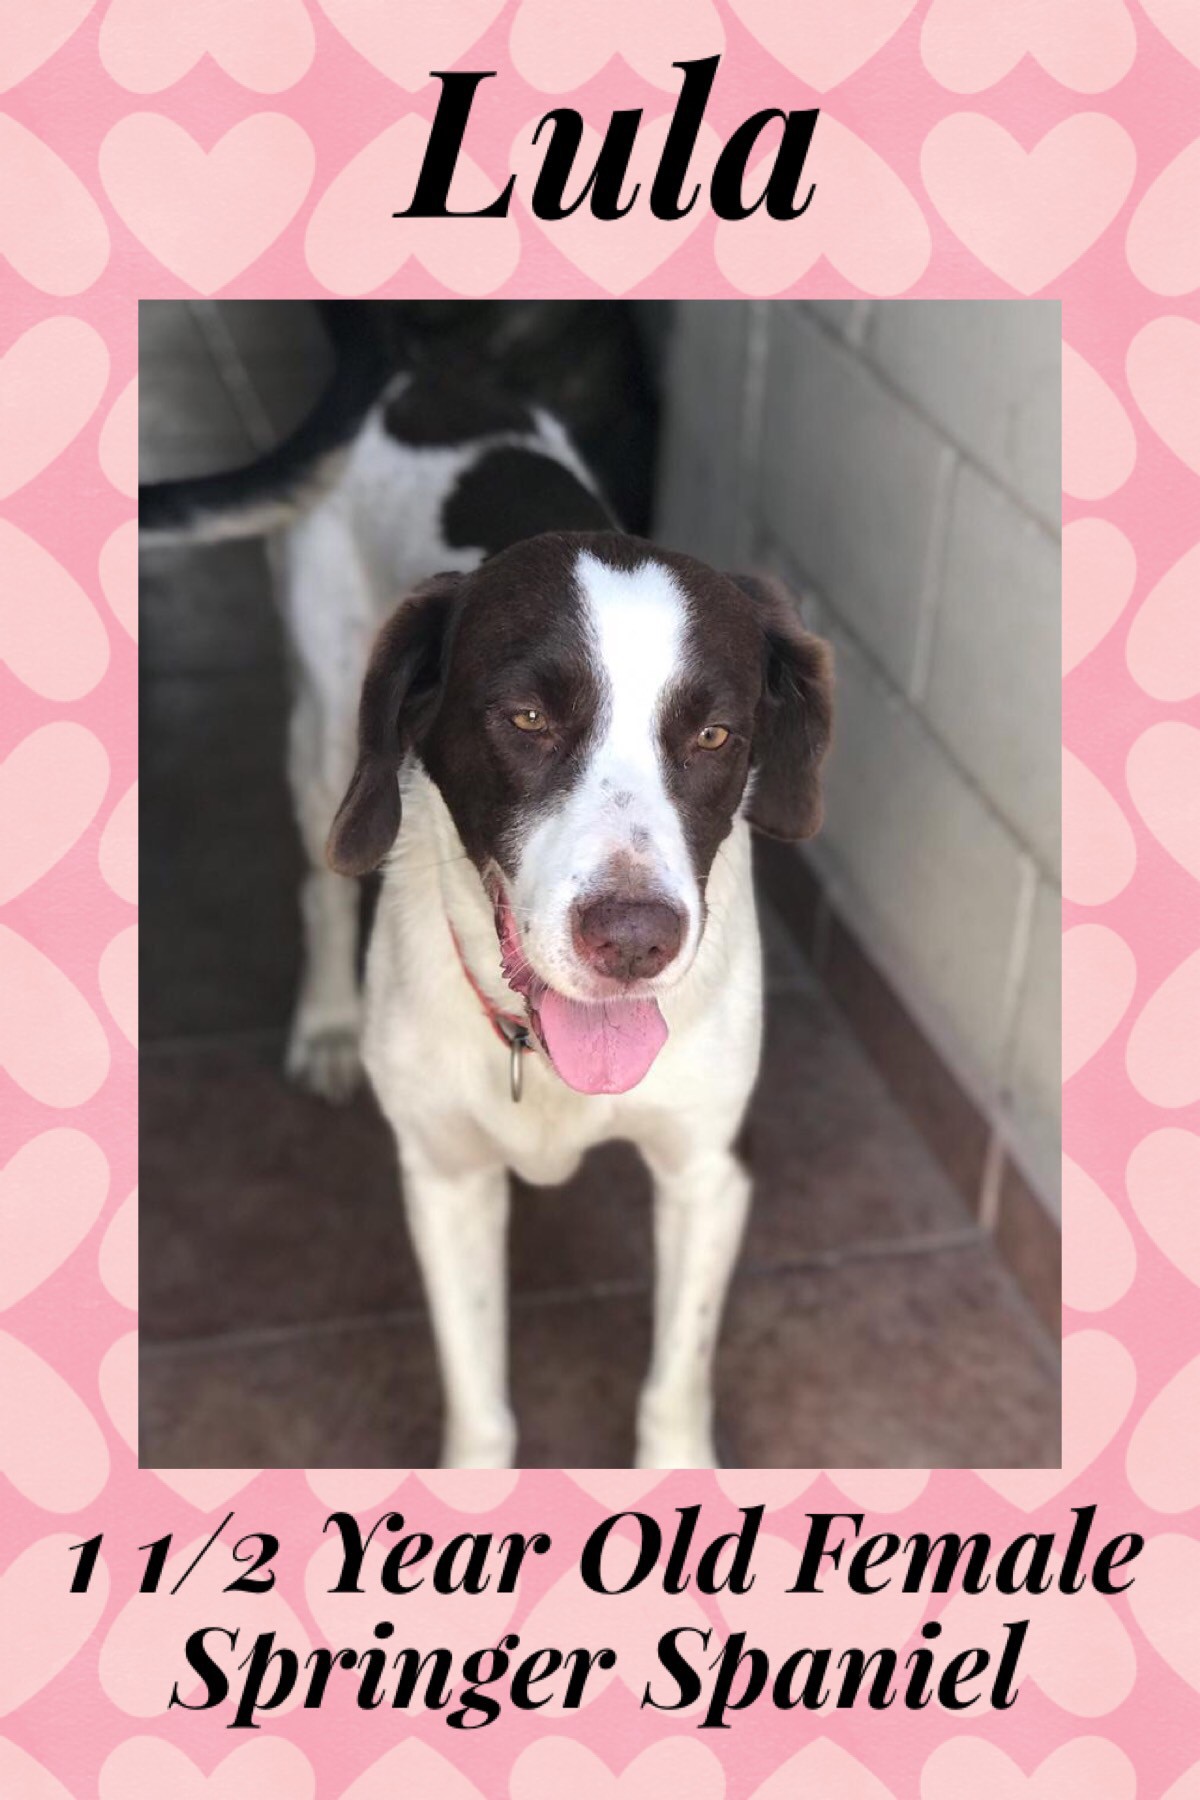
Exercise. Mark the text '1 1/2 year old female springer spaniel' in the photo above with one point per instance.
(564, 738)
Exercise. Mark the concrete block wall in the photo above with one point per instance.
(899, 463)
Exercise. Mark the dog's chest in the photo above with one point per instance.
(441, 1071)
(542, 1136)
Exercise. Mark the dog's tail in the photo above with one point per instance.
(268, 493)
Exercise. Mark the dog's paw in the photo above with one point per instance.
(325, 1061)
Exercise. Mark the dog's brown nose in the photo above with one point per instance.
(628, 940)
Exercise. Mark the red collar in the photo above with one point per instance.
(510, 1028)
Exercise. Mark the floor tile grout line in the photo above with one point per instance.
(261, 1337)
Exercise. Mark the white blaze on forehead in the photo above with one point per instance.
(636, 621)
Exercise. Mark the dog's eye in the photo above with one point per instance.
(530, 719)
(712, 737)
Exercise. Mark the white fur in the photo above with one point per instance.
(442, 1080)
(620, 807)
(439, 1072)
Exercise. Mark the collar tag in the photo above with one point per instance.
(516, 1066)
(511, 1031)
(517, 1037)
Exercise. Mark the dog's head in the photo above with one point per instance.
(595, 713)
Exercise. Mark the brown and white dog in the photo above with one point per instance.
(564, 738)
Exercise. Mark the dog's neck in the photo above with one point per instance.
(431, 853)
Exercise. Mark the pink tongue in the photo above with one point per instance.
(601, 1049)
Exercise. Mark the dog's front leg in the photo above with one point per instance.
(458, 1224)
(699, 1213)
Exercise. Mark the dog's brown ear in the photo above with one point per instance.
(400, 696)
(795, 716)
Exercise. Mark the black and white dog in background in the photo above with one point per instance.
(564, 736)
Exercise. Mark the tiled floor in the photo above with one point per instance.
(281, 1314)
(281, 1318)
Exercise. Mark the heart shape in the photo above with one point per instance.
(411, 1768)
(876, 1490)
(969, 45)
(1163, 1179)
(352, 246)
(55, 1623)
(1163, 647)
(863, 220)
(142, 1656)
(51, 381)
(1098, 978)
(51, 1193)
(823, 1768)
(469, 1490)
(1162, 1058)
(146, 46)
(1099, 445)
(1078, 1651)
(1163, 772)
(1163, 245)
(557, 51)
(118, 572)
(361, 1490)
(617, 1490)
(354, 1490)
(559, 1765)
(206, 215)
(51, 230)
(1099, 1258)
(51, 786)
(119, 1253)
(1099, 567)
(1165, 1601)
(1098, 848)
(1187, 1787)
(29, 35)
(117, 1379)
(1163, 1462)
(269, 1769)
(51, 1448)
(406, 43)
(1163, 366)
(822, 44)
(119, 980)
(619, 254)
(51, 636)
(119, 847)
(1081, 1769)
(1028, 215)
(1179, 23)
(1098, 1383)
(119, 442)
(51, 1042)
(22, 1774)
(206, 1489)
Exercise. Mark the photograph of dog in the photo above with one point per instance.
(550, 740)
